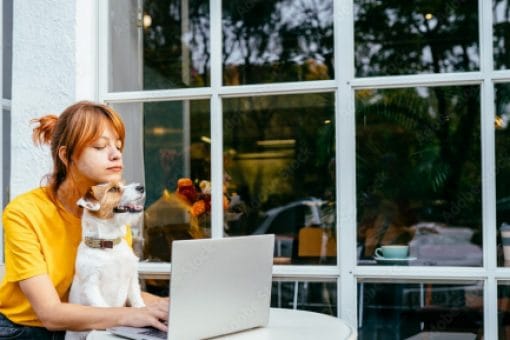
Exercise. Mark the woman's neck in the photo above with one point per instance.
(68, 194)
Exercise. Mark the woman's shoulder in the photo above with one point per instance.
(38, 197)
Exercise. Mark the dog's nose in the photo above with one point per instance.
(140, 188)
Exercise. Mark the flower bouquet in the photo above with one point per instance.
(197, 201)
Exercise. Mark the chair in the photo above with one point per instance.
(314, 243)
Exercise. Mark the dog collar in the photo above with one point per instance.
(101, 242)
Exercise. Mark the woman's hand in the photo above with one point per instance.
(155, 314)
(56, 315)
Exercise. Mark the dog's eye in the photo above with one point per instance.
(114, 189)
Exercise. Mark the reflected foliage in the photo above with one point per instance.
(277, 40)
(167, 146)
(263, 42)
(501, 31)
(502, 153)
(418, 158)
(280, 149)
(176, 49)
(405, 37)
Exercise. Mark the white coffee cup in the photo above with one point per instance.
(392, 252)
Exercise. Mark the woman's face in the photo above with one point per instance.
(101, 161)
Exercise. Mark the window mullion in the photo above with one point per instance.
(345, 156)
(216, 121)
(487, 109)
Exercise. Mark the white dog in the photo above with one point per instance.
(106, 269)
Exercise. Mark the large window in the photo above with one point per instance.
(339, 126)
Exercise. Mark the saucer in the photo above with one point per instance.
(395, 260)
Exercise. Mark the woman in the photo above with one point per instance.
(42, 231)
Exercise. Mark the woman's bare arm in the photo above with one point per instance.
(56, 315)
(149, 298)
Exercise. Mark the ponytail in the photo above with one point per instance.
(43, 133)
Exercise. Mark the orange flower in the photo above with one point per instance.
(198, 208)
(197, 200)
(186, 190)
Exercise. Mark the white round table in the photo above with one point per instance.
(284, 324)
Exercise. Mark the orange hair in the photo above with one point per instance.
(77, 127)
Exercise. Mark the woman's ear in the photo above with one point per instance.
(62, 154)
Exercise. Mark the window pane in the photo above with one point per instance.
(501, 27)
(277, 41)
(418, 174)
(279, 173)
(406, 37)
(317, 297)
(7, 48)
(504, 310)
(502, 140)
(403, 310)
(163, 45)
(313, 296)
(6, 156)
(167, 141)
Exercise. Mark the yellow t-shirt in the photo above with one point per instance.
(41, 237)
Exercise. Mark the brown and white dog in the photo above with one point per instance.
(106, 269)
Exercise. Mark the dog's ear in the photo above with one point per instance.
(97, 192)
(90, 205)
(89, 202)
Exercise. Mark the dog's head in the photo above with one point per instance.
(108, 199)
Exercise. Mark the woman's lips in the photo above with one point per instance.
(115, 168)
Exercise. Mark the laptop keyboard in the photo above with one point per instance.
(155, 333)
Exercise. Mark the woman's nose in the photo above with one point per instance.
(115, 154)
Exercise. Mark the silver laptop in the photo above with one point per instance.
(217, 287)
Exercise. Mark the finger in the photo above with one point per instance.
(159, 313)
(162, 307)
(162, 315)
(159, 325)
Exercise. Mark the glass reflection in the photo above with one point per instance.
(502, 140)
(161, 45)
(7, 19)
(172, 140)
(317, 297)
(407, 37)
(501, 27)
(277, 41)
(503, 310)
(409, 310)
(279, 173)
(418, 175)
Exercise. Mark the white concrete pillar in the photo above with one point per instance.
(54, 58)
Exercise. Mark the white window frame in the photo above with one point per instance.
(346, 273)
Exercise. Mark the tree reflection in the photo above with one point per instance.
(277, 40)
(501, 17)
(176, 48)
(418, 149)
(406, 37)
(418, 146)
